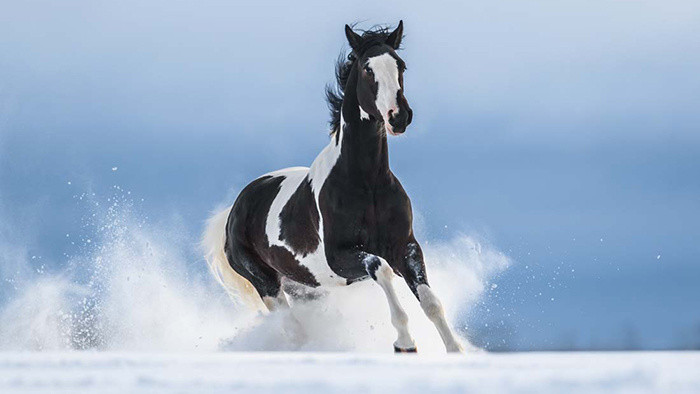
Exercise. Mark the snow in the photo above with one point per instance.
(133, 292)
(226, 372)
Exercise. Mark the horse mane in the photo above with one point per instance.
(376, 35)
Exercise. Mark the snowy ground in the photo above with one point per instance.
(74, 372)
(166, 327)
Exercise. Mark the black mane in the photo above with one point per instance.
(376, 35)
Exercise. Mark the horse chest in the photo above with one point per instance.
(370, 219)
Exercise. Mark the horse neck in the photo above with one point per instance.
(365, 155)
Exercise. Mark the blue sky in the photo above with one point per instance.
(567, 134)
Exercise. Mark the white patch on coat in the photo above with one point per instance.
(285, 171)
(292, 180)
(318, 173)
(325, 161)
(386, 74)
(363, 115)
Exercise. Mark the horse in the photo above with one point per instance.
(344, 219)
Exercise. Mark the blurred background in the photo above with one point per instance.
(565, 134)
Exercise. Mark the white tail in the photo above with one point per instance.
(239, 289)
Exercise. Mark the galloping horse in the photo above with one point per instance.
(344, 219)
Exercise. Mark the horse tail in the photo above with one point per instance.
(213, 242)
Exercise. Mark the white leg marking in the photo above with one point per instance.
(399, 318)
(433, 309)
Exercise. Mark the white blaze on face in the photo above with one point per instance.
(386, 74)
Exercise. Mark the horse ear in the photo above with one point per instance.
(394, 39)
(353, 38)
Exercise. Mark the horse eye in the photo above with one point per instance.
(368, 70)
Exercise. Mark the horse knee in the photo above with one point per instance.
(378, 268)
(430, 303)
(384, 273)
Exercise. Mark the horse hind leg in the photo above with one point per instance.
(264, 279)
(267, 282)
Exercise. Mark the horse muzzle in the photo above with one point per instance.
(399, 121)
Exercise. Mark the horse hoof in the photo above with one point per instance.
(455, 348)
(408, 350)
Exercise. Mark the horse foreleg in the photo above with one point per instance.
(382, 273)
(433, 309)
(415, 276)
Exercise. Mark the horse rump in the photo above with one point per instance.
(238, 288)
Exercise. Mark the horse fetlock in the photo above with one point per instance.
(399, 319)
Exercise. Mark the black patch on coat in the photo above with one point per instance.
(372, 264)
(299, 221)
(364, 208)
(283, 261)
(245, 235)
(247, 247)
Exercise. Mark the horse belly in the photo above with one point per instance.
(317, 264)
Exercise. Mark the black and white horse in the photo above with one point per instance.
(344, 219)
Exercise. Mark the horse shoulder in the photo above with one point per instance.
(299, 220)
(394, 211)
(292, 179)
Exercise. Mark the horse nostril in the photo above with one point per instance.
(391, 114)
(400, 119)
